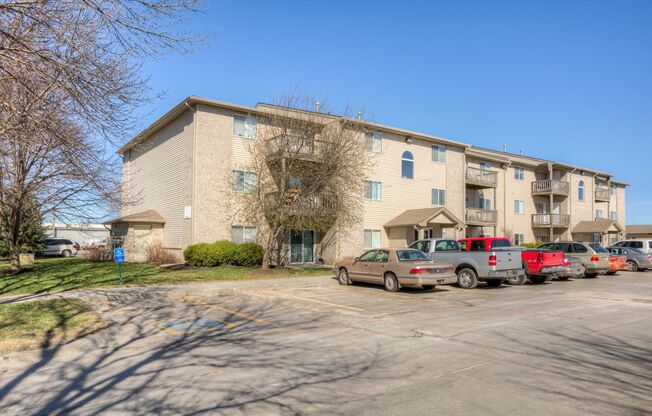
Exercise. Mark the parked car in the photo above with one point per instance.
(493, 267)
(618, 262)
(636, 259)
(395, 268)
(539, 265)
(573, 267)
(58, 247)
(594, 263)
(644, 246)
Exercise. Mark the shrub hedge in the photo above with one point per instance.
(223, 252)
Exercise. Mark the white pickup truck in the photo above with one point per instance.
(493, 267)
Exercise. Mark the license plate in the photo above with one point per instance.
(440, 281)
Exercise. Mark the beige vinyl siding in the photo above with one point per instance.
(157, 176)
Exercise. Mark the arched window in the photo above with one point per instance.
(580, 191)
(407, 165)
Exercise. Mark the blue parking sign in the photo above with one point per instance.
(119, 255)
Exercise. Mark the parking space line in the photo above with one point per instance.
(322, 302)
(200, 301)
(391, 295)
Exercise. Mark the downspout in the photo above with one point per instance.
(466, 148)
(192, 171)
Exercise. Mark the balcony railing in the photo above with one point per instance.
(288, 145)
(550, 220)
(479, 216)
(481, 178)
(602, 194)
(550, 186)
(308, 208)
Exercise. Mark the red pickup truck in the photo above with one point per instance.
(539, 265)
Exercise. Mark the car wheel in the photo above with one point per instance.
(343, 277)
(632, 266)
(590, 275)
(611, 273)
(467, 279)
(428, 287)
(66, 253)
(391, 283)
(563, 277)
(517, 281)
(538, 279)
(495, 282)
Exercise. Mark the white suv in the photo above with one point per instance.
(642, 245)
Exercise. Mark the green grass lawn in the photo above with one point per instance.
(58, 274)
(45, 323)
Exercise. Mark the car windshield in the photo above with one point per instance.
(599, 249)
(411, 255)
(500, 243)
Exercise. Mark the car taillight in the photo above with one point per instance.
(595, 259)
(540, 257)
(649, 256)
(492, 260)
(417, 271)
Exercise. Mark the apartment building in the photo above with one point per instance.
(177, 173)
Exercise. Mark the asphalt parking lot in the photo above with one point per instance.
(565, 348)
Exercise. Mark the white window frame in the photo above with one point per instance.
(249, 126)
(438, 153)
(519, 206)
(485, 165)
(375, 238)
(613, 215)
(599, 214)
(373, 141)
(404, 158)
(612, 189)
(519, 173)
(441, 194)
(543, 238)
(372, 184)
(247, 186)
(519, 239)
(484, 203)
(581, 191)
(243, 230)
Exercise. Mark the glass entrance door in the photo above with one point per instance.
(302, 246)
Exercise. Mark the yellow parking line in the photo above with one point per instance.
(223, 309)
(322, 302)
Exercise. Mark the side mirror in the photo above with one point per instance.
(357, 259)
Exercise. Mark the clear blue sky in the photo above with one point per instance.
(565, 80)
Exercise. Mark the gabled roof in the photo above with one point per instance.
(422, 217)
(151, 216)
(599, 226)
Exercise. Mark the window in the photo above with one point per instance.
(373, 142)
(373, 190)
(244, 181)
(543, 238)
(368, 256)
(422, 245)
(245, 126)
(382, 256)
(438, 197)
(485, 165)
(439, 153)
(598, 213)
(613, 215)
(295, 183)
(500, 243)
(519, 207)
(411, 255)
(485, 203)
(580, 191)
(542, 207)
(579, 248)
(519, 239)
(427, 233)
(612, 190)
(478, 245)
(447, 245)
(372, 238)
(244, 234)
(519, 173)
(407, 165)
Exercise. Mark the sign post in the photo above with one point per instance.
(119, 257)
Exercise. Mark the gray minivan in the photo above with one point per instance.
(58, 247)
(644, 246)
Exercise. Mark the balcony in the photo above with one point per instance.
(481, 217)
(302, 210)
(602, 194)
(293, 146)
(480, 178)
(550, 186)
(550, 220)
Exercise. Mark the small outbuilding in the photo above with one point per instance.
(137, 232)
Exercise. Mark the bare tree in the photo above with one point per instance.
(70, 80)
(309, 169)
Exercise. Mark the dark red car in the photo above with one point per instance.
(539, 265)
